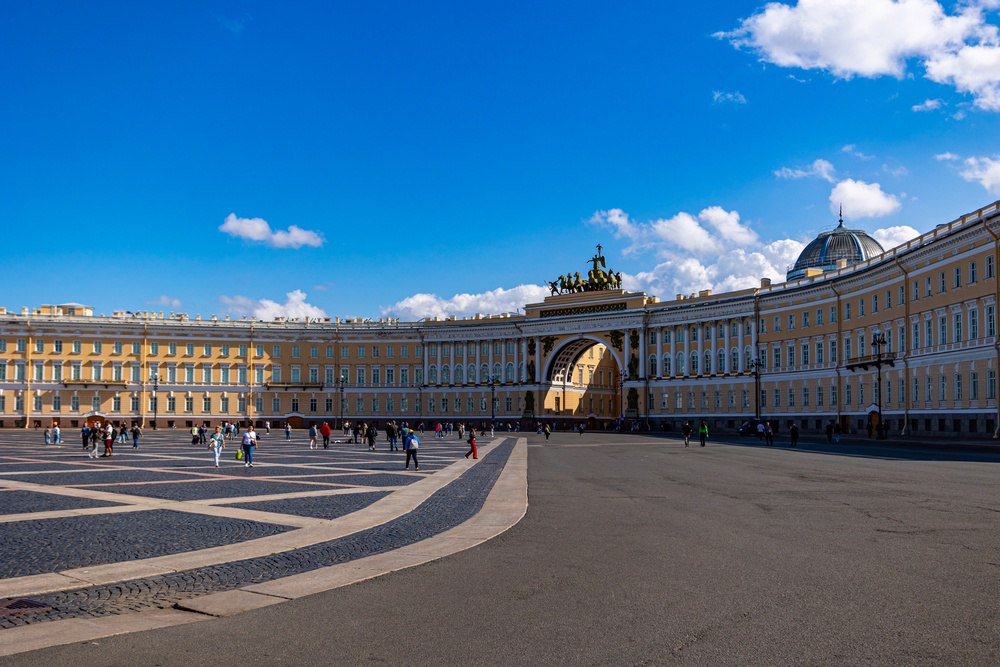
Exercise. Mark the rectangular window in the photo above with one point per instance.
(39, 347)
(172, 349)
(861, 307)
(275, 405)
(819, 316)
(206, 404)
(224, 350)
(942, 330)
(972, 273)
(989, 266)
(275, 351)
(990, 322)
(974, 324)
(991, 384)
(847, 349)
(833, 394)
(805, 319)
(258, 351)
(154, 349)
(974, 385)
(791, 321)
(189, 374)
(206, 374)
(874, 303)
(243, 351)
(941, 283)
(57, 346)
(207, 351)
(958, 328)
(833, 351)
(314, 352)
(777, 398)
(296, 352)
(805, 354)
(847, 311)
(189, 350)
(819, 354)
(847, 395)
(819, 396)
(136, 348)
(958, 277)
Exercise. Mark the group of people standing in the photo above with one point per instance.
(108, 434)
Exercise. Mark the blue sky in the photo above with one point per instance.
(420, 159)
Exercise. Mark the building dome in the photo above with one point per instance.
(825, 251)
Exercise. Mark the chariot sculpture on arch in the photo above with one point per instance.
(597, 278)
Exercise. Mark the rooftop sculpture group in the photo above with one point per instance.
(597, 278)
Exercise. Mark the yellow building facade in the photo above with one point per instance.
(799, 351)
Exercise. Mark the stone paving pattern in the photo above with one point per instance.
(23, 502)
(448, 507)
(51, 545)
(319, 507)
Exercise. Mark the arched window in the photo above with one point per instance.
(445, 374)
(510, 372)
(484, 373)
(432, 375)
(694, 363)
(418, 375)
(681, 365)
(458, 374)
(652, 366)
(734, 361)
(722, 362)
(666, 365)
(708, 362)
(747, 357)
(496, 372)
(472, 374)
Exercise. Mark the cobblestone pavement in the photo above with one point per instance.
(448, 507)
(83, 527)
(322, 507)
(50, 545)
(23, 502)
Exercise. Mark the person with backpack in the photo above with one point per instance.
(703, 432)
(411, 445)
(312, 436)
(325, 431)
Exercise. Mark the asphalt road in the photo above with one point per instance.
(639, 551)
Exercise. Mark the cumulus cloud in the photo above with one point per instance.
(168, 301)
(713, 249)
(890, 237)
(946, 157)
(927, 105)
(708, 232)
(983, 170)
(872, 38)
(294, 307)
(258, 230)
(818, 169)
(725, 97)
(862, 200)
(495, 301)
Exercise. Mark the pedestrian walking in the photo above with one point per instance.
(194, 436)
(85, 436)
(47, 436)
(288, 431)
(249, 443)
(687, 430)
(472, 444)
(547, 431)
(768, 435)
(136, 434)
(411, 445)
(325, 431)
(703, 432)
(793, 435)
(56, 435)
(107, 433)
(312, 436)
(216, 443)
(372, 435)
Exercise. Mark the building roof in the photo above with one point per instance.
(828, 249)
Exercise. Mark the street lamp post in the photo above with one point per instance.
(622, 378)
(494, 381)
(755, 366)
(878, 341)
(156, 385)
(342, 382)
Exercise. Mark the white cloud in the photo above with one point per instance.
(896, 172)
(710, 232)
(890, 237)
(872, 38)
(496, 301)
(295, 307)
(725, 97)
(819, 169)
(257, 229)
(862, 200)
(168, 301)
(985, 171)
(927, 105)
(942, 157)
(853, 151)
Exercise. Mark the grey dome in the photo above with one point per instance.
(823, 252)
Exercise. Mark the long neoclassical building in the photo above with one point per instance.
(800, 351)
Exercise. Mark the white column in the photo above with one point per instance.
(628, 350)
(715, 361)
(687, 348)
(659, 352)
(538, 359)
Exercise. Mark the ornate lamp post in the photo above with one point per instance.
(878, 341)
(494, 381)
(622, 378)
(342, 382)
(156, 385)
(755, 365)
